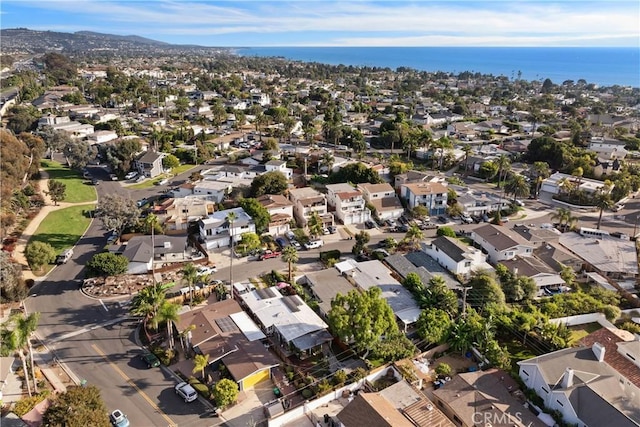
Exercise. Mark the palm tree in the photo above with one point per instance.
(565, 218)
(466, 148)
(151, 223)
(566, 185)
(414, 235)
(200, 363)
(542, 172)
(148, 301)
(231, 217)
(504, 166)
(602, 200)
(190, 275)
(290, 256)
(327, 161)
(168, 314)
(315, 225)
(17, 338)
(518, 186)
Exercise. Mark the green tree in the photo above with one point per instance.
(315, 225)
(168, 314)
(57, 191)
(147, 302)
(326, 162)
(151, 224)
(39, 254)
(16, 336)
(79, 153)
(290, 256)
(362, 318)
(446, 231)
(541, 171)
(117, 212)
(107, 264)
(420, 211)
(602, 200)
(414, 236)
(257, 212)
(433, 325)
(362, 238)
(200, 363)
(13, 287)
(518, 187)
(441, 297)
(356, 173)
(170, 161)
(565, 218)
(78, 407)
(516, 288)
(189, 276)
(225, 392)
(273, 182)
(250, 242)
(485, 290)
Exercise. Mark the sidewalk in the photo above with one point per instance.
(21, 244)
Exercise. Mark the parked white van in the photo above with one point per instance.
(314, 244)
(64, 256)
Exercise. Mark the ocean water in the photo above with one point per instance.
(602, 66)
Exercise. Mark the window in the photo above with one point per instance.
(467, 263)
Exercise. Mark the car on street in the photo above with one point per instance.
(314, 244)
(369, 224)
(186, 391)
(295, 244)
(64, 256)
(333, 229)
(113, 177)
(391, 223)
(442, 219)
(151, 360)
(205, 270)
(118, 419)
(131, 175)
(140, 203)
(269, 254)
(326, 231)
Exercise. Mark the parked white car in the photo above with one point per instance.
(131, 175)
(186, 391)
(314, 244)
(204, 270)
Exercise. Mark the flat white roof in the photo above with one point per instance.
(248, 327)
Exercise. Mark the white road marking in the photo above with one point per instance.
(103, 306)
(84, 330)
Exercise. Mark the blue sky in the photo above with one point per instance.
(255, 23)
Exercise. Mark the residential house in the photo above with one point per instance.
(411, 177)
(556, 257)
(481, 203)
(398, 405)
(457, 257)
(537, 236)
(224, 332)
(145, 251)
(423, 265)
(384, 200)
(213, 190)
(279, 166)
(365, 275)
(348, 203)
(595, 384)
(216, 231)
(545, 278)
(149, 164)
(501, 243)
(281, 210)
(608, 256)
(289, 322)
(102, 136)
(484, 398)
(431, 195)
(553, 184)
(306, 201)
(324, 286)
(176, 214)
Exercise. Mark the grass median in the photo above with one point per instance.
(62, 229)
(79, 190)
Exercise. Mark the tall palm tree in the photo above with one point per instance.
(190, 275)
(168, 314)
(414, 235)
(602, 200)
(504, 166)
(290, 256)
(200, 363)
(231, 217)
(17, 337)
(518, 186)
(542, 172)
(466, 148)
(565, 218)
(147, 302)
(151, 223)
(327, 161)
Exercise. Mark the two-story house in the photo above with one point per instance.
(279, 166)
(432, 195)
(306, 201)
(149, 164)
(176, 214)
(457, 257)
(216, 231)
(349, 204)
(501, 243)
(213, 190)
(384, 200)
(281, 210)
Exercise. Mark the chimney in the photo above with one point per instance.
(598, 351)
(567, 379)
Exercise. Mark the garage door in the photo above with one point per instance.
(255, 379)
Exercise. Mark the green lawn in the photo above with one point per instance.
(79, 190)
(62, 229)
(152, 182)
(580, 331)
